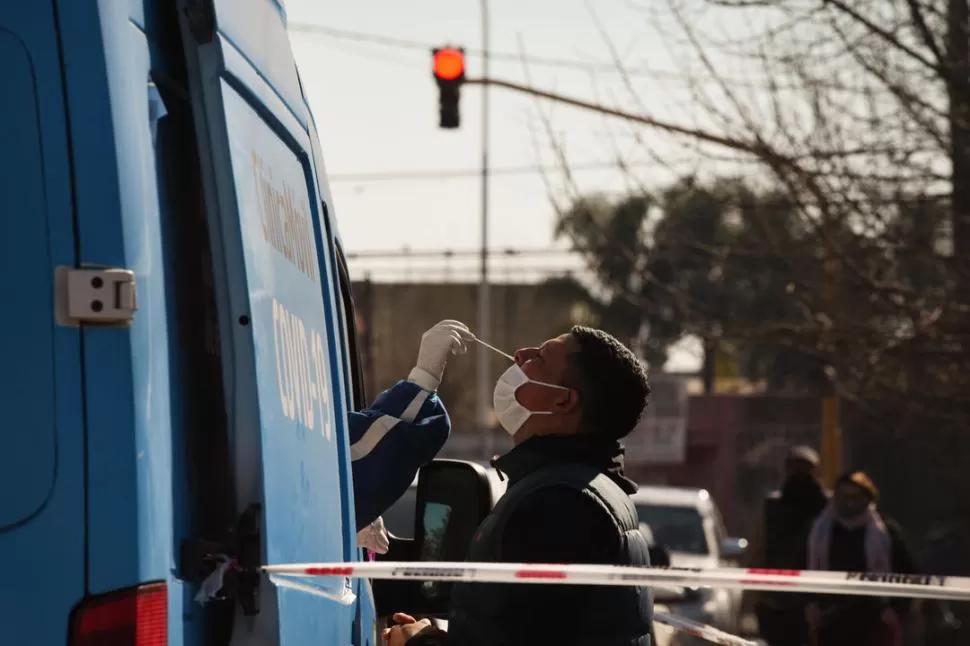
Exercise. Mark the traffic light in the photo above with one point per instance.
(449, 74)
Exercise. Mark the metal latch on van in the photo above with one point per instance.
(95, 296)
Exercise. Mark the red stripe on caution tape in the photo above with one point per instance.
(329, 571)
(756, 570)
(770, 572)
(540, 574)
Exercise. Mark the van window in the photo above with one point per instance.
(356, 386)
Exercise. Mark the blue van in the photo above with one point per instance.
(176, 333)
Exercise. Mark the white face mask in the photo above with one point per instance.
(511, 414)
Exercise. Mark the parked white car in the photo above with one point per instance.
(688, 524)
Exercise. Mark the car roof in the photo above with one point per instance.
(672, 496)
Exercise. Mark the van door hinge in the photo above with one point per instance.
(95, 296)
(198, 558)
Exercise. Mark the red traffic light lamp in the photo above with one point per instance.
(448, 65)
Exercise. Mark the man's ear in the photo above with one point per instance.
(568, 401)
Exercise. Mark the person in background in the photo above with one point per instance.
(780, 542)
(851, 536)
(403, 430)
(567, 405)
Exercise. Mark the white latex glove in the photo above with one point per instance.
(374, 537)
(445, 338)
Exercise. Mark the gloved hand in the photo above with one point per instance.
(374, 537)
(445, 338)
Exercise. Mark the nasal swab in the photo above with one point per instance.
(494, 349)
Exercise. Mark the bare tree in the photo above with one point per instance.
(857, 111)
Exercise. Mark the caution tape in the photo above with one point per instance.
(803, 581)
(682, 624)
(915, 586)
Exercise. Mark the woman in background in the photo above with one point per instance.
(851, 536)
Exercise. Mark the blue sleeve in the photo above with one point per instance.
(402, 430)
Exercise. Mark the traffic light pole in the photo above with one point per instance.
(484, 301)
(735, 144)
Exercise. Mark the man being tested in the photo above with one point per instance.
(567, 405)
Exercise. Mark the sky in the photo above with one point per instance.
(376, 111)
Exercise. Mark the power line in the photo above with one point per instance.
(544, 61)
(470, 270)
(442, 272)
(456, 253)
(456, 173)
(378, 39)
(401, 43)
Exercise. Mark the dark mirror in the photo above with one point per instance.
(453, 497)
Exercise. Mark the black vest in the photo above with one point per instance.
(616, 616)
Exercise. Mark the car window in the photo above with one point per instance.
(356, 377)
(679, 529)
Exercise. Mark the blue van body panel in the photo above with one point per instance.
(290, 383)
(298, 411)
(257, 31)
(366, 633)
(93, 472)
(365, 626)
(42, 456)
(329, 239)
(136, 14)
(25, 253)
(126, 372)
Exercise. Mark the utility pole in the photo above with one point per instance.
(958, 94)
(484, 301)
(831, 437)
(831, 416)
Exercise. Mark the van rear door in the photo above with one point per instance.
(276, 292)
(42, 493)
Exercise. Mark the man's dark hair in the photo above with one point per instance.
(611, 382)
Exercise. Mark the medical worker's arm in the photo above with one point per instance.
(404, 428)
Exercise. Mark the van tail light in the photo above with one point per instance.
(132, 617)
